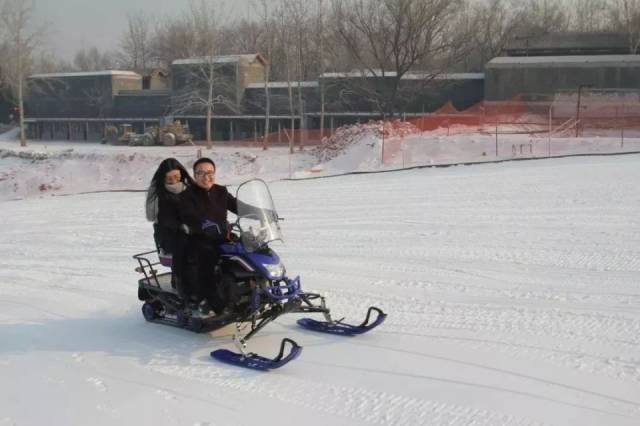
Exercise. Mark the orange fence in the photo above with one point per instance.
(566, 123)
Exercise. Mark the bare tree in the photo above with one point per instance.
(173, 40)
(135, 42)
(299, 17)
(543, 16)
(45, 63)
(388, 38)
(495, 21)
(93, 60)
(99, 99)
(294, 43)
(20, 41)
(625, 14)
(590, 15)
(206, 85)
(321, 56)
(267, 41)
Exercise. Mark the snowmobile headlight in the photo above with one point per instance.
(274, 269)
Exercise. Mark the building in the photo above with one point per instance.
(562, 62)
(357, 96)
(80, 106)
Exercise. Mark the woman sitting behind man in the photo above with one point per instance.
(190, 221)
(163, 205)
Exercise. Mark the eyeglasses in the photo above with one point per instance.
(201, 173)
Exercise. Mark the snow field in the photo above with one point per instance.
(512, 293)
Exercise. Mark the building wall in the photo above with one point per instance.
(6, 106)
(506, 80)
(252, 73)
(126, 83)
(64, 96)
(254, 100)
(158, 82)
(414, 96)
(249, 73)
(145, 104)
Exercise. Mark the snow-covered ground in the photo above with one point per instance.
(62, 167)
(512, 291)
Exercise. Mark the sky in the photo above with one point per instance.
(75, 24)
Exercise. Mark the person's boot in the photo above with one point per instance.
(204, 307)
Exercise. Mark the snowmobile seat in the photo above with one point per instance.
(159, 281)
(166, 259)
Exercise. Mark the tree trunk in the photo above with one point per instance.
(23, 137)
(300, 78)
(321, 80)
(267, 108)
(209, 108)
(291, 112)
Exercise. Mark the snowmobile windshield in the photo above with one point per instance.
(257, 215)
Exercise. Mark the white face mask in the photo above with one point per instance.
(175, 188)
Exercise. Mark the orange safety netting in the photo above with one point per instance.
(565, 114)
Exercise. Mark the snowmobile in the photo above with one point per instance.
(252, 284)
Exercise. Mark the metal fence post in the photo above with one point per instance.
(550, 124)
(622, 128)
(496, 137)
(382, 151)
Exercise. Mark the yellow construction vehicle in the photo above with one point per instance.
(171, 134)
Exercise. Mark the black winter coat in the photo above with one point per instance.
(168, 222)
(205, 211)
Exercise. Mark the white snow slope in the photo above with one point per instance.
(512, 292)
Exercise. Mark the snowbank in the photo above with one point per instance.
(58, 167)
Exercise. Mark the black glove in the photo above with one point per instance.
(214, 231)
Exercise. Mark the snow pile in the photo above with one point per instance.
(34, 172)
(56, 167)
(346, 136)
(358, 147)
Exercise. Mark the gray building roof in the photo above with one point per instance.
(414, 75)
(222, 59)
(88, 74)
(568, 43)
(283, 85)
(565, 61)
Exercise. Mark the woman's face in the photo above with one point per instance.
(173, 176)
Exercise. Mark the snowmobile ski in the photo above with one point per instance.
(341, 328)
(257, 362)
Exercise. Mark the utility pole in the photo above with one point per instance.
(578, 107)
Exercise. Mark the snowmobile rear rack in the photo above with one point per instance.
(146, 268)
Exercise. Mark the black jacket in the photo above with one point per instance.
(205, 211)
(168, 222)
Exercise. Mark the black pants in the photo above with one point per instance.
(198, 273)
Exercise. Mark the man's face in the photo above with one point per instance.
(205, 175)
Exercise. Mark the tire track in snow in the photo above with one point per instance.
(571, 346)
(358, 404)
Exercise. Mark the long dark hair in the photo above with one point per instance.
(157, 181)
